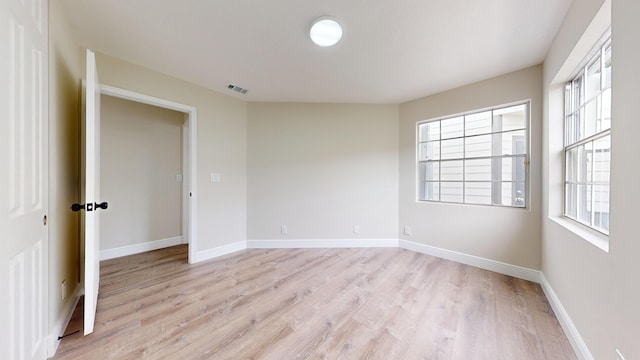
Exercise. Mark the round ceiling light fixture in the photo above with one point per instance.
(325, 31)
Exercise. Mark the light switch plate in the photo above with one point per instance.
(179, 177)
(215, 177)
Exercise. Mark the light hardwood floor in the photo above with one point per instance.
(314, 304)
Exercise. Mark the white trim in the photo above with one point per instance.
(61, 325)
(190, 149)
(218, 251)
(578, 344)
(476, 261)
(596, 238)
(139, 248)
(322, 244)
(145, 99)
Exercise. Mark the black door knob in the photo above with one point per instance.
(103, 205)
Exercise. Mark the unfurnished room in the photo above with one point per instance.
(319, 180)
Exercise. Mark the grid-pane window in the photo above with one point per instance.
(588, 141)
(475, 158)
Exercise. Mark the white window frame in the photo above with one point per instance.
(525, 156)
(573, 140)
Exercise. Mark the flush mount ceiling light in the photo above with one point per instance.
(325, 31)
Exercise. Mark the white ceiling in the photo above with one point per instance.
(392, 50)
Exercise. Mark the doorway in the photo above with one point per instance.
(188, 174)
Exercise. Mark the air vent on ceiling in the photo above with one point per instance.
(237, 89)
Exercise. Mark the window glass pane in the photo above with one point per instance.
(511, 118)
(606, 110)
(593, 79)
(513, 194)
(451, 170)
(580, 159)
(571, 201)
(430, 131)
(568, 107)
(577, 92)
(602, 159)
(477, 146)
(422, 152)
(579, 163)
(574, 130)
(451, 128)
(430, 191)
(590, 118)
(513, 169)
(479, 123)
(601, 207)
(477, 170)
(584, 204)
(579, 121)
(510, 143)
(477, 193)
(572, 161)
(452, 149)
(586, 163)
(568, 130)
(607, 67)
(430, 171)
(429, 151)
(598, 125)
(451, 191)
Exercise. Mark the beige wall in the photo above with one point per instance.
(141, 153)
(504, 234)
(221, 146)
(321, 169)
(598, 289)
(64, 86)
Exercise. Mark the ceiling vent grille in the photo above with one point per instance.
(237, 89)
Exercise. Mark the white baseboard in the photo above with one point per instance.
(476, 261)
(578, 344)
(139, 248)
(219, 251)
(61, 325)
(322, 244)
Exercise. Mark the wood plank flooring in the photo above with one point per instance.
(314, 304)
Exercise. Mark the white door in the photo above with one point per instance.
(24, 178)
(91, 193)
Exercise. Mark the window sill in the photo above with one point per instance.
(597, 239)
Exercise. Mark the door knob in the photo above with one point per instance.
(103, 205)
(90, 206)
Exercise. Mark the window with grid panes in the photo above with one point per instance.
(588, 141)
(475, 158)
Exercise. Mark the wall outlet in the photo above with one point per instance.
(407, 230)
(63, 289)
(356, 229)
(284, 229)
(179, 177)
(619, 355)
